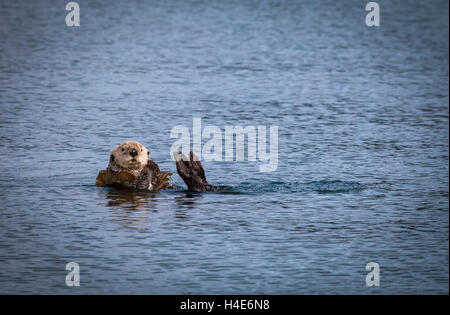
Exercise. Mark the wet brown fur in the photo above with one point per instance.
(130, 166)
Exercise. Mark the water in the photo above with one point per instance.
(363, 146)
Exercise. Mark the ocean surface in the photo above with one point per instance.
(363, 146)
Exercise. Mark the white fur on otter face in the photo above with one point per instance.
(130, 155)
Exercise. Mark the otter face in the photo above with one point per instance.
(130, 155)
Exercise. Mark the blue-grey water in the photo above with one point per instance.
(363, 146)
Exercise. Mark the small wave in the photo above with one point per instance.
(320, 186)
(335, 186)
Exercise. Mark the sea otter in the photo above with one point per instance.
(130, 166)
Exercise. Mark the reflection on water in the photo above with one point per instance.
(129, 199)
(185, 201)
(131, 208)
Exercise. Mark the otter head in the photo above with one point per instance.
(130, 155)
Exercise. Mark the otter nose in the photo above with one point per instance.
(134, 153)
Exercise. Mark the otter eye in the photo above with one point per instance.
(123, 149)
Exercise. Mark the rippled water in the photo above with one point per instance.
(363, 146)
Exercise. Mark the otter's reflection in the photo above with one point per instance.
(185, 201)
(131, 207)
